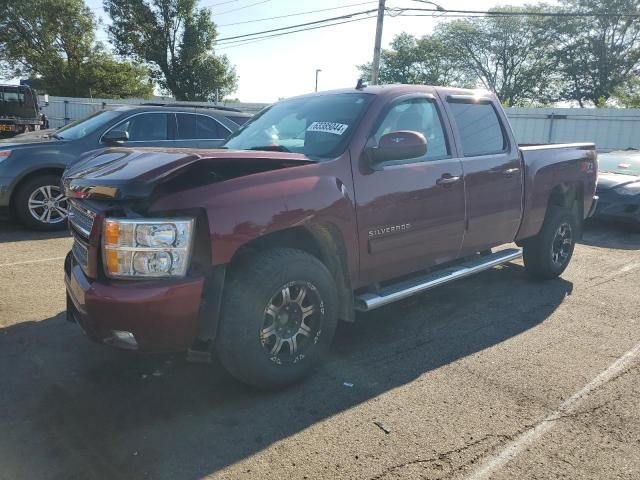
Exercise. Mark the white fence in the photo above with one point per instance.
(609, 128)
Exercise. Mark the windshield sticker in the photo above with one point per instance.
(328, 127)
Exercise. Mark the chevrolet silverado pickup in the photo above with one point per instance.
(320, 206)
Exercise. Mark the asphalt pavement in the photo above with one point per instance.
(496, 376)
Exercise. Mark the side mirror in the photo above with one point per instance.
(401, 145)
(46, 99)
(115, 136)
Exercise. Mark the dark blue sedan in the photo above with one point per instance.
(619, 187)
(31, 165)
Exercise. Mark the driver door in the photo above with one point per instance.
(411, 213)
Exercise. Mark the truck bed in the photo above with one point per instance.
(574, 163)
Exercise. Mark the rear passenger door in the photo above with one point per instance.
(492, 172)
(199, 131)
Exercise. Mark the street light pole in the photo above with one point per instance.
(375, 66)
(318, 70)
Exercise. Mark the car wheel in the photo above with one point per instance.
(279, 316)
(41, 205)
(547, 254)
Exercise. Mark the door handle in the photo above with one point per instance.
(447, 179)
(510, 172)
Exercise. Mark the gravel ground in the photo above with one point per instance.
(496, 376)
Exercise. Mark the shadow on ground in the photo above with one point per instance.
(71, 409)
(609, 235)
(12, 231)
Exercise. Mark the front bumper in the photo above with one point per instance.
(619, 209)
(5, 191)
(161, 315)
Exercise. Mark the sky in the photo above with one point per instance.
(286, 66)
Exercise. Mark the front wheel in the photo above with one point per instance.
(547, 254)
(279, 315)
(41, 205)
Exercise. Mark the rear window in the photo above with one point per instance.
(237, 120)
(199, 127)
(12, 96)
(480, 129)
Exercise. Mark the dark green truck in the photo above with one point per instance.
(19, 110)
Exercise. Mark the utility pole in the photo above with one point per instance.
(375, 66)
(317, 72)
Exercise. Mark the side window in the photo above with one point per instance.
(418, 115)
(191, 127)
(479, 127)
(147, 127)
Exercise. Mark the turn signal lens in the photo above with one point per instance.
(111, 232)
(111, 261)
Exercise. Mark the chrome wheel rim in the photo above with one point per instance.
(47, 204)
(561, 246)
(292, 322)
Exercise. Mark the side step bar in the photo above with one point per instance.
(391, 293)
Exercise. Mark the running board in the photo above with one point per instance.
(392, 293)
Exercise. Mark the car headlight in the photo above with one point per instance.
(142, 248)
(4, 154)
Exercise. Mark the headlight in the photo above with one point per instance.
(139, 248)
(4, 154)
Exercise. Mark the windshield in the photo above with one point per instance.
(620, 162)
(318, 126)
(82, 128)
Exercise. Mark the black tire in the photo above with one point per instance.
(547, 254)
(28, 216)
(241, 343)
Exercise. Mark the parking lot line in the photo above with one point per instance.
(51, 259)
(529, 436)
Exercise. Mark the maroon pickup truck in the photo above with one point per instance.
(321, 205)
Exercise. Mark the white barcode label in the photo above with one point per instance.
(328, 127)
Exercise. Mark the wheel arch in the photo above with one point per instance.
(323, 241)
(52, 170)
(563, 194)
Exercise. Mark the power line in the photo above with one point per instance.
(239, 43)
(316, 22)
(503, 13)
(241, 8)
(218, 3)
(295, 14)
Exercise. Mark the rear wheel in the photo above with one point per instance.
(279, 316)
(547, 254)
(41, 205)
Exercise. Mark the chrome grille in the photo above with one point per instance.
(80, 253)
(81, 219)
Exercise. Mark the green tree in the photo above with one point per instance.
(628, 94)
(176, 40)
(54, 42)
(598, 54)
(509, 55)
(424, 61)
(105, 77)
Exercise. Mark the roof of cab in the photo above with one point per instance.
(395, 89)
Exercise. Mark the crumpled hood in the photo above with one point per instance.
(123, 173)
(607, 181)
